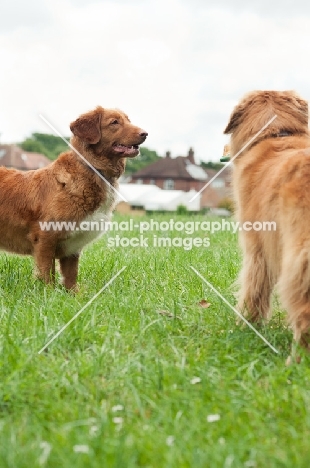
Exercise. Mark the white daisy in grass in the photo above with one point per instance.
(170, 440)
(213, 417)
(81, 449)
(195, 380)
(117, 408)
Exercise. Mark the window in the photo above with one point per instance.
(218, 183)
(139, 181)
(152, 181)
(168, 184)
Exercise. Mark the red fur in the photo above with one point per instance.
(66, 190)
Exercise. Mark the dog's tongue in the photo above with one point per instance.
(125, 149)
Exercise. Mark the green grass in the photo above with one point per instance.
(118, 380)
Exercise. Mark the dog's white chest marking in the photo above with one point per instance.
(92, 226)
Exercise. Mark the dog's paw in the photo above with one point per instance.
(74, 290)
(69, 286)
(292, 360)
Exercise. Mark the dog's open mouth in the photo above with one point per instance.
(126, 150)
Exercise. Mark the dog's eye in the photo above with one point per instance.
(114, 122)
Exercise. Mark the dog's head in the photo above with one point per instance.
(257, 108)
(109, 133)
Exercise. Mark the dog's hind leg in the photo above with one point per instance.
(69, 270)
(294, 290)
(256, 287)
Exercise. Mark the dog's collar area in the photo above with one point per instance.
(111, 180)
(282, 133)
(101, 172)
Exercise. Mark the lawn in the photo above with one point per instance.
(155, 372)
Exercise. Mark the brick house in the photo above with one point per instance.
(182, 173)
(16, 157)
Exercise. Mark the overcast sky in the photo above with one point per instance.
(176, 67)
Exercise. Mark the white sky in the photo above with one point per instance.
(176, 67)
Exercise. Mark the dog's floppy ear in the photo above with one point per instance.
(87, 126)
(303, 108)
(235, 118)
(295, 103)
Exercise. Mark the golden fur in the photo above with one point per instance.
(271, 182)
(67, 190)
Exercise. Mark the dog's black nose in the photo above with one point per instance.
(143, 134)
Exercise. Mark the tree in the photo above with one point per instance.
(212, 165)
(32, 145)
(44, 143)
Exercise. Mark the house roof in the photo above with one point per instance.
(14, 156)
(179, 168)
(224, 174)
(172, 168)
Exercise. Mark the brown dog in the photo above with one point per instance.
(68, 190)
(271, 183)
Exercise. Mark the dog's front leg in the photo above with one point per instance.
(44, 257)
(69, 270)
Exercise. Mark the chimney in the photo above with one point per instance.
(191, 156)
(168, 154)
